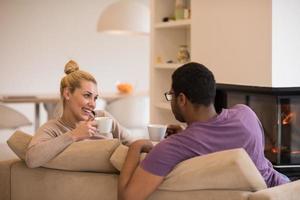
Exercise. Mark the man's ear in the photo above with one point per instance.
(67, 93)
(181, 99)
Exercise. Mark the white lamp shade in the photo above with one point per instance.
(125, 16)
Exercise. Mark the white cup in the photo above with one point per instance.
(156, 131)
(104, 125)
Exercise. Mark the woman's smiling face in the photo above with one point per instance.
(82, 101)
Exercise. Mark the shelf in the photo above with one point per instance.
(166, 41)
(167, 65)
(174, 24)
(164, 106)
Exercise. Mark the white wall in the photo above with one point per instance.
(286, 43)
(248, 42)
(37, 38)
(233, 39)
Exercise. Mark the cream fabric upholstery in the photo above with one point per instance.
(5, 178)
(200, 195)
(18, 142)
(17, 182)
(226, 175)
(40, 183)
(86, 156)
(92, 155)
(50, 184)
(118, 157)
(231, 169)
(287, 191)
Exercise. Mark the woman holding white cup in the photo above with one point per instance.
(79, 93)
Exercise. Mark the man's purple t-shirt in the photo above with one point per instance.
(237, 127)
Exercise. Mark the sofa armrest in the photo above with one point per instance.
(5, 167)
(289, 191)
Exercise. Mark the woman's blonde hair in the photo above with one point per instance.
(73, 77)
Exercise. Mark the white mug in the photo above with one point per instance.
(156, 131)
(104, 125)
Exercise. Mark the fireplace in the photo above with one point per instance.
(279, 112)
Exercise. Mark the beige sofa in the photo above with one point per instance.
(89, 170)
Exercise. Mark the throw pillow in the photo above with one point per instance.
(90, 155)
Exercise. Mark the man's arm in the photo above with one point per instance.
(134, 182)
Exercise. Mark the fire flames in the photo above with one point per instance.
(288, 118)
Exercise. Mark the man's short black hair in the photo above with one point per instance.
(196, 81)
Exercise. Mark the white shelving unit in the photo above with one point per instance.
(185, 24)
(166, 66)
(235, 39)
(166, 38)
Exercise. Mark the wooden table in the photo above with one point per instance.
(51, 100)
(35, 99)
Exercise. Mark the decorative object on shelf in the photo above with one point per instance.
(179, 9)
(125, 88)
(168, 34)
(125, 17)
(158, 60)
(165, 19)
(186, 13)
(183, 54)
(168, 19)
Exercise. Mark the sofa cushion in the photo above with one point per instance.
(290, 191)
(118, 157)
(230, 169)
(18, 143)
(89, 155)
(49, 184)
(5, 177)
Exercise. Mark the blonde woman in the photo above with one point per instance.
(78, 90)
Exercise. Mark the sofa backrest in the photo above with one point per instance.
(89, 155)
(229, 170)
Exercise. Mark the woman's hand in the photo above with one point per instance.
(84, 130)
(173, 129)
